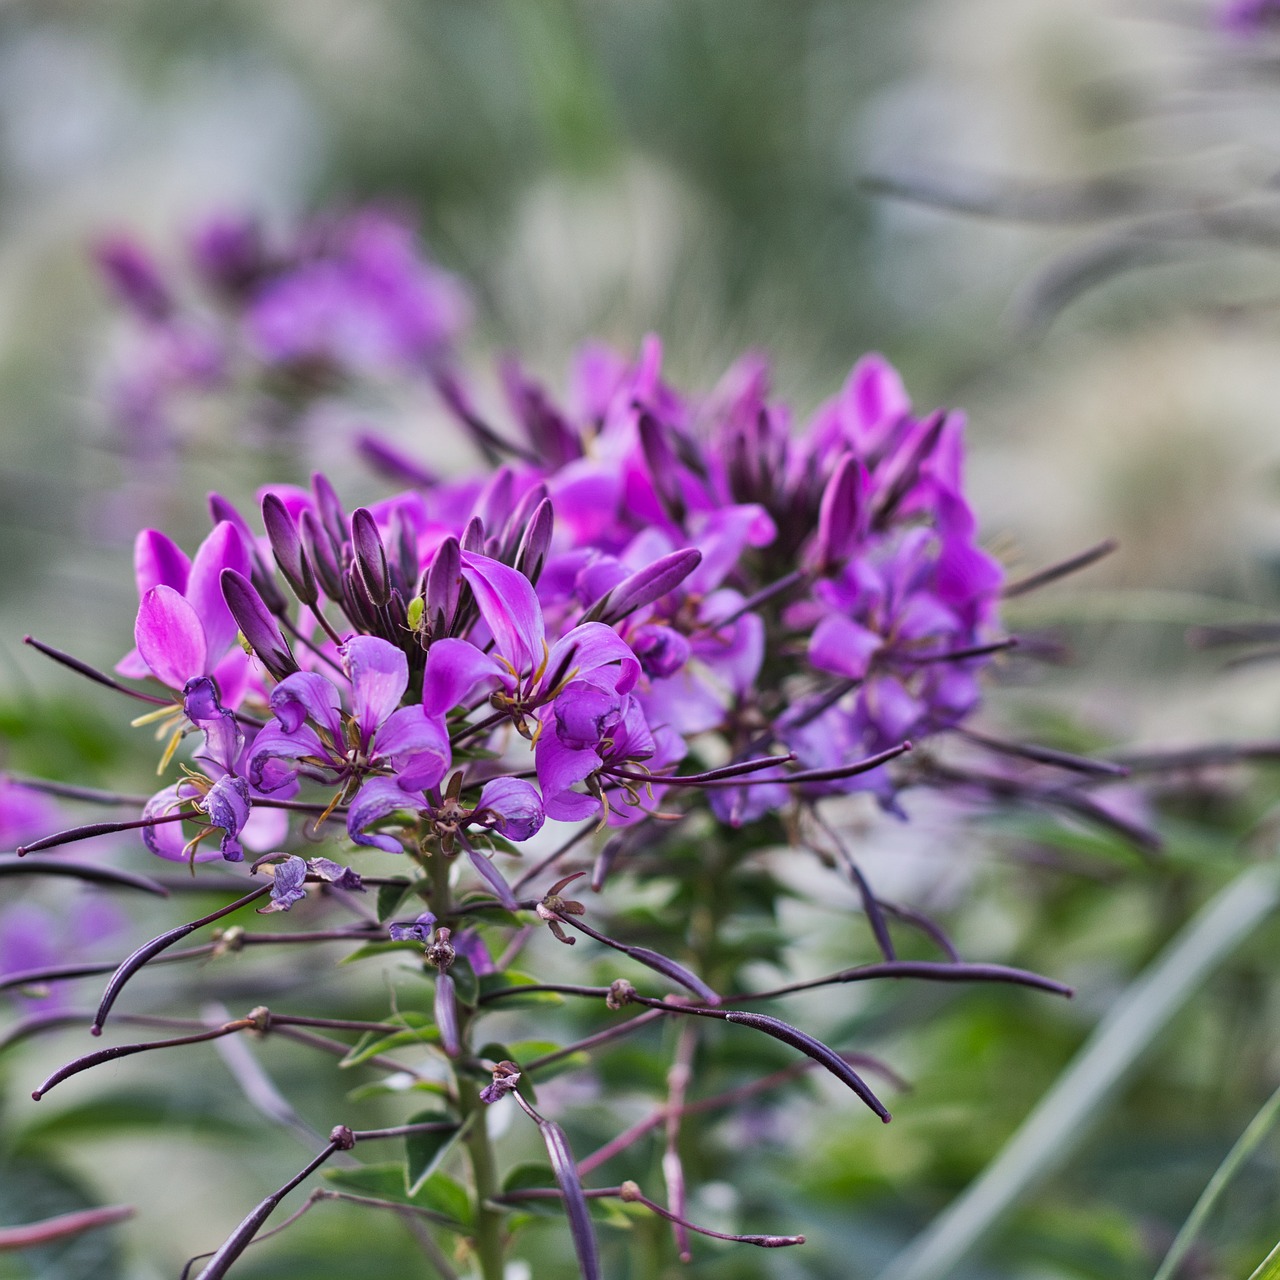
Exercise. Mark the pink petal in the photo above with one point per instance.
(170, 638)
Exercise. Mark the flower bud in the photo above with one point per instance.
(256, 624)
(370, 556)
(286, 546)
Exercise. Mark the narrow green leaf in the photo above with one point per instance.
(390, 896)
(1245, 1146)
(1269, 1267)
(511, 978)
(380, 949)
(439, 1193)
(419, 1029)
(1078, 1099)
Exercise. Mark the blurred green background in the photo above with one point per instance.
(698, 168)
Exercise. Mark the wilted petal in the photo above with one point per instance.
(418, 931)
(227, 806)
(170, 637)
(166, 839)
(336, 874)
(288, 880)
(417, 746)
(512, 807)
(379, 674)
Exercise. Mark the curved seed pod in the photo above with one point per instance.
(575, 1201)
(446, 1012)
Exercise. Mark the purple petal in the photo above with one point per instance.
(166, 840)
(651, 583)
(454, 669)
(170, 638)
(273, 749)
(842, 647)
(510, 608)
(512, 807)
(595, 647)
(307, 696)
(417, 746)
(222, 549)
(374, 801)
(379, 674)
(159, 562)
(560, 766)
(493, 877)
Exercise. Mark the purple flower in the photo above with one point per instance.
(367, 303)
(418, 931)
(184, 628)
(310, 730)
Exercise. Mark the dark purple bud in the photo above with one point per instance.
(256, 624)
(287, 881)
(229, 254)
(332, 517)
(134, 277)
(553, 439)
(446, 1012)
(404, 545)
(443, 586)
(370, 556)
(494, 504)
(319, 552)
(260, 572)
(645, 586)
(664, 466)
(531, 554)
(842, 514)
(520, 516)
(662, 651)
(473, 535)
(286, 546)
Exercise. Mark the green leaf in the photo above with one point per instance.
(1236, 1158)
(492, 982)
(380, 949)
(528, 1176)
(1269, 1267)
(390, 896)
(1061, 1119)
(419, 1030)
(381, 1089)
(439, 1193)
(466, 984)
(445, 1195)
(125, 1109)
(425, 1151)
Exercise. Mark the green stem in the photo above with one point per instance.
(488, 1235)
(474, 1113)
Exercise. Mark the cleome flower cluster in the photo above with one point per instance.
(652, 581)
